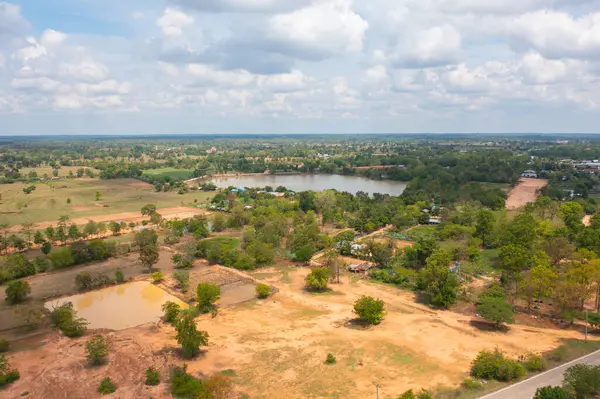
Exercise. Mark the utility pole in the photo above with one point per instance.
(377, 384)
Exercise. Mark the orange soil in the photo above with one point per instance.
(587, 220)
(525, 192)
(180, 212)
(277, 348)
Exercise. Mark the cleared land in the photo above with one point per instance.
(525, 192)
(49, 201)
(276, 347)
(175, 174)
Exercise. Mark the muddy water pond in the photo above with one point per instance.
(121, 306)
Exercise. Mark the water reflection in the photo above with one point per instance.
(119, 307)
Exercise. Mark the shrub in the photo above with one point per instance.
(330, 359)
(472, 384)
(594, 320)
(119, 277)
(107, 386)
(7, 374)
(582, 381)
(494, 366)
(317, 279)
(424, 394)
(65, 318)
(183, 278)
(171, 312)
(84, 281)
(96, 350)
(263, 291)
(152, 376)
(534, 363)
(551, 393)
(188, 335)
(4, 345)
(185, 386)
(208, 294)
(17, 291)
(370, 309)
(157, 277)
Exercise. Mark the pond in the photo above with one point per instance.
(315, 182)
(120, 306)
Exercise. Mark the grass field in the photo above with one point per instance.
(49, 201)
(175, 174)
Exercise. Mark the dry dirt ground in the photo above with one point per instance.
(180, 212)
(526, 191)
(277, 347)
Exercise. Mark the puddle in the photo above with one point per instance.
(121, 306)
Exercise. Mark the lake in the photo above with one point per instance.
(120, 306)
(315, 182)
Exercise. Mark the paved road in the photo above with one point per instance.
(526, 389)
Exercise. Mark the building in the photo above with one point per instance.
(530, 173)
(360, 267)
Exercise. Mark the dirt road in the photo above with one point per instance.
(525, 192)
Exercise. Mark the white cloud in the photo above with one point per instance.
(283, 82)
(86, 69)
(30, 51)
(51, 37)
(558, 34)
(376, 74)
(435, 46)
(325, 27)
(206, 75)
(11, 20)
(243, 6)
(173, 22)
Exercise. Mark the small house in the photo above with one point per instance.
(360, 267)
(530, 173)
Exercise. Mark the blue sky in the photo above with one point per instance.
(294, 66)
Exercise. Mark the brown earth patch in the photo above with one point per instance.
(525, 192)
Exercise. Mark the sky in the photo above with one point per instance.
(299, 66)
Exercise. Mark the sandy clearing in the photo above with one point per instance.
(587, 220)
(180, 212)
(277, 348)
(525, 192)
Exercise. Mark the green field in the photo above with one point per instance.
(175, 174)
(49, 201)
(62, 172)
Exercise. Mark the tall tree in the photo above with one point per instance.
(439, 283)
(147, 243)
(484, 225)
(188, 335)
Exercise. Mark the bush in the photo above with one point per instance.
(370, 309)
(472, 384)
(152, 376)
(107, 386)
(490, 365)
(171, 312)
(7, 374)
(157, 277)
(551, 393)
(424, 394)
(534, 363)
(183, 278)
(65, 318)
(119, 277)
(330, 359)
(185, 386)
(317, 279)
(263, 291)
(17, 291)
(84, 281)
(582, 381)
(4, 345)
(96, 350)
(208, 294)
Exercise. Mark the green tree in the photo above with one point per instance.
(207, 294)
(46, 248)
(107, 386)
(370, 309)
(189, 337)
(114, 227)
(171, 312)
(306, 201)
(484, 225)
(98, 195)
(437, 281)
(317, 279)
(152, 376)
(73, 232)
(148, 210)
(38, 237)
(16, 291)
(551, 393)
(96, 350)
(147, 243)
(496, 310)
